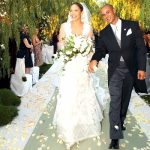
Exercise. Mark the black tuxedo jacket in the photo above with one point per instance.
(132, 50)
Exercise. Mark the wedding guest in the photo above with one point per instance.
(37, 48)
(147, 41)
(55, 41)
(26, 48)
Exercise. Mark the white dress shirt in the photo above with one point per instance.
(117, 29)
(117, 32)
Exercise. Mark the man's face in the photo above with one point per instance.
(109, 14)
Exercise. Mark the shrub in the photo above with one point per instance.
(7, 113)
(8, 106)
(8, 98)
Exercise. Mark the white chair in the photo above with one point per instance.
(47, 53)
(35, 74)
(17, 85)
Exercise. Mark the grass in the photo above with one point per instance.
(7, 114)
(8, 106)
(43, 69)
(8, 98)
(146, 98)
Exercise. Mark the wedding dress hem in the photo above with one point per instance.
(68, 145)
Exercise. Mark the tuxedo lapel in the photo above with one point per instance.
(124, 29)
(112, 37)
(123, 33)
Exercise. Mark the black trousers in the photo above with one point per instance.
(120, 88)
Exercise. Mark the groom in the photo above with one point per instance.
(123, 41)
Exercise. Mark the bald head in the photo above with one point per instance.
(109, 14)
(107, 5)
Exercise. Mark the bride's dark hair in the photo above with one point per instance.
(78, 4)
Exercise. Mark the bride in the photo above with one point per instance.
(78, 113)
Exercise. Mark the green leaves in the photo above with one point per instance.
(8, 106)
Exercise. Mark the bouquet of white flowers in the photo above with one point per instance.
(75, 45)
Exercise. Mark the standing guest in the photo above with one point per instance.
(26, 48)
(55, 41)
(147, 41)
(37, 48)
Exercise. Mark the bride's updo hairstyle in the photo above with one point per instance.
(79, 5)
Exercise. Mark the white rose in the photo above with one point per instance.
(61, 53)
(82, 49)
(77, 42)
(55, 55)
(74, 50)
(68, 52)
(90, 42)
(85, 54)
(84, 43)
(83, 46)
(88, 49)
(66, 58)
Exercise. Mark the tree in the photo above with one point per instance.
(145, 15)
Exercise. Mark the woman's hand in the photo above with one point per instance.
(31, 48)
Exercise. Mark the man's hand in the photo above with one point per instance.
(92, 66)
(141, 75)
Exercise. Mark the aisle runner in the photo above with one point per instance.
(44, 136)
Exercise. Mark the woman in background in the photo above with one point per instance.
(26, 48)
(37, 48)
(148, 42)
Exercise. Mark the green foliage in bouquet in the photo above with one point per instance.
(8, 106)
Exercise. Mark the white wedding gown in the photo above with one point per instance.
(78, 113)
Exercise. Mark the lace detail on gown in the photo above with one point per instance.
(78, 114)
